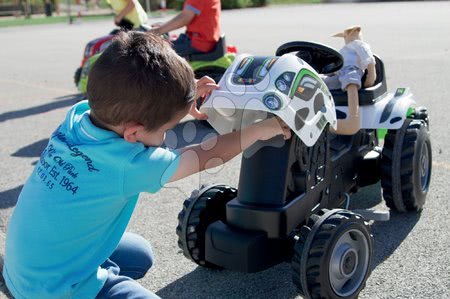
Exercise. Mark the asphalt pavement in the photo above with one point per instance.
(411, 251)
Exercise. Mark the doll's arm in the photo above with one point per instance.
(351, 124)
(371, 75)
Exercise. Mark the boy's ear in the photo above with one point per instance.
(131, 130)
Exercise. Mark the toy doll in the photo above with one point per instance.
(357, 58)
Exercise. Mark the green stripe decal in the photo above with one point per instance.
(299, 76)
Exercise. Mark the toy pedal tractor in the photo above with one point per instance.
(287, 206)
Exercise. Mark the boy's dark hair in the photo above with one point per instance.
(139, 78)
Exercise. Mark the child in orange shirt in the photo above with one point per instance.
(202, 21)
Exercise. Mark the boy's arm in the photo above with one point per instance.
(180, 20)
(216, 151)
(124, 12)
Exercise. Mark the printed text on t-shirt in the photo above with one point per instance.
(75, 151)
(53, 170)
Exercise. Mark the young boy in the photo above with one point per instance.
(66, 238)
(202, 21)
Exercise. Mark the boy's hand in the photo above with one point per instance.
(117, 20)
(156, 28)
(272, 127)
(157, 25)
(204, 87)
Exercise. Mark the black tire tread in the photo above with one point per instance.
(318, 250)
(401, 196)
(77, 76)
(201, 211)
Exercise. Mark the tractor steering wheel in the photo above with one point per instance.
(323, 59)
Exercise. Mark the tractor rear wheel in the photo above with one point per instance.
(406, 166)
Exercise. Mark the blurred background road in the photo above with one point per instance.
(412, 251)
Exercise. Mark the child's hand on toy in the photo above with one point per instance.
(272, 127)
(156, 28)
(204, 87)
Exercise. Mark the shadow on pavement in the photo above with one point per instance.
(60, 102)
(389, 235)
(32, 150)
(3, 289)
(367, 197)
(9, 197)
(205, 283)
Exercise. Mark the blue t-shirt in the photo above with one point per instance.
(74, 208)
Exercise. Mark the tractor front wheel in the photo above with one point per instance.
(77, 76)
(332, 255)
(204, 207)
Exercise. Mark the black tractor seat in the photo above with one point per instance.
(219, 51)
(369, 95)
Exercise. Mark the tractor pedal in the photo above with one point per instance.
(375, 215)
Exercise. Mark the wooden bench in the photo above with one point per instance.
(11, 9)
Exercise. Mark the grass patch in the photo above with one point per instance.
(40, 19)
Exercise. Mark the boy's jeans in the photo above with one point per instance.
(182, 45)
(131, 260)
